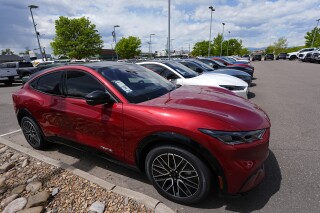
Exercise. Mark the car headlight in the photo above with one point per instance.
(232, 88)
(232, 138)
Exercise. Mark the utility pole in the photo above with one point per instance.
(209, 50)
(222, 39)
(35, 28)
(314, 34)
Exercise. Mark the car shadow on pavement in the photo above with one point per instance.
(251, 95)
(253, 84)
(254, 200)
(87, 160)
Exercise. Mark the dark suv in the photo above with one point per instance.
(282, 56)
(269, 57)
(256, 58)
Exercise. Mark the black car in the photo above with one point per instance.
(256, 58)
(269, 57)
(308, 57)
(282, 56)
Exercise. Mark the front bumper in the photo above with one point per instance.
(242, 93)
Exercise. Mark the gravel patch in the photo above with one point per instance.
(60, 190)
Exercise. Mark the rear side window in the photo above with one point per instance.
(79, 84)
(49, 83)
(156, 68)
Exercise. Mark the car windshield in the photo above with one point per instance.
(181, 69)
(203, 65)
(219, 63)
(136, 83)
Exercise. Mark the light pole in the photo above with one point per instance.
(150, 46)
(211, 8)
(222, 39)
(115, 40)
(228, 44)
(169, 50)
(314, 34)
(172, 43)
(35, 28)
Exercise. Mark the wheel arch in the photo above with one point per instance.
(176, 139)
(24, 112)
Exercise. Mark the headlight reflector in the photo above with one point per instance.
(232, 138)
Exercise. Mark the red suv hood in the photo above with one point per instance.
(238, 113)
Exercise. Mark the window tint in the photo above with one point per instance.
(169, 74)
(79, 84)
(11, 65)
(49, 83)
(154, 67)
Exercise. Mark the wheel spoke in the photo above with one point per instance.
(175, 175)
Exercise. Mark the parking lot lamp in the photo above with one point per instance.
(35, 28)
(222, 39)
(228, 44)
(150, 46)
(115, 40)
(209, 49)
(314, 34)
(169, 30)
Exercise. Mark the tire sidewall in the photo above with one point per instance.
(199, 166)
(42, 143)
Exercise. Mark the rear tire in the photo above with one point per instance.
(178, 174)
(33, 133)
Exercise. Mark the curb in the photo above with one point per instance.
(148, 201)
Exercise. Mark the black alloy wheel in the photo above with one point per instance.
(32, 133)
(178, 174)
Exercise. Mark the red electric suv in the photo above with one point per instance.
(187, 139)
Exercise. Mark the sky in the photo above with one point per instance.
(257, 23)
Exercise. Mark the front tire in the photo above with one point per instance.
(178, 174)
(32, 133)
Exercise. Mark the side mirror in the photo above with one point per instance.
(97, 97)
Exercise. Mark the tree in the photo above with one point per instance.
(309, 37)
(216, 46)
(201, 48)
(128, 47)
(281, 45)
(6, 52)
(76, 38)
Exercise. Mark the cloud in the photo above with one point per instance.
(257, 23)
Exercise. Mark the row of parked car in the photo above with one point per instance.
(305, 55)
(186, 123)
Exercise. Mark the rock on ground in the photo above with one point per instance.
(15, 205)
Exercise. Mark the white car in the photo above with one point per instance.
(303, 54)
(182, 75)
(295, 55)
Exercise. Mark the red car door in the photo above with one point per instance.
(99, 126)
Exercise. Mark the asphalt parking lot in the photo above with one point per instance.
(289, 91)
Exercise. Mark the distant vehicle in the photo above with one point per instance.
(27, 71)
(269, 57)
(8, 71)
(314, 56)
(295, 55)
(238, 59)
(229, 64)
(219, 65)
(182, 75)
(234, 61)
(201, 67)
(282, 56)
(246, 57)
(256, 57)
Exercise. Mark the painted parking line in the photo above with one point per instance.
(9, 133)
